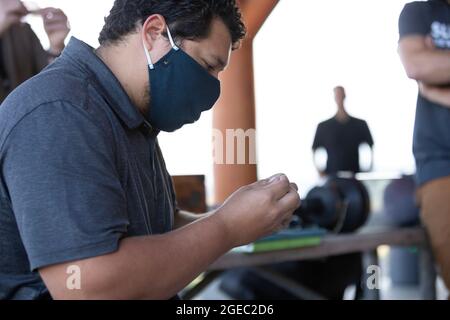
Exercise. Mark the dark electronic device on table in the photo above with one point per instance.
(341, 205)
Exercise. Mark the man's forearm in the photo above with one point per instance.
(158, 267)
(436, 67)
(154, 267)
(431, 66)
(183, 218)
(423, 61)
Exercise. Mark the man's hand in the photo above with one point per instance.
(439, 95)
(11, 12)
(56, 26)
(259, 210)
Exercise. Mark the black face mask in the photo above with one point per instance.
(180, 89)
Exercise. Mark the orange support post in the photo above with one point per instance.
(236, 106)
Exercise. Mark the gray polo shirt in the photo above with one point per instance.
(81, 169)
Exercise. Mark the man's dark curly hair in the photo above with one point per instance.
(187, 19)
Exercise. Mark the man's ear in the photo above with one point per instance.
(153, 29)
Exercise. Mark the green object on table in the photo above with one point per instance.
(288, 239)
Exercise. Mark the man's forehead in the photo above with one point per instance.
(216, 48)
(220, 38)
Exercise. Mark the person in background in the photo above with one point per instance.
(424, 50)
(21, 53)
(341, 137)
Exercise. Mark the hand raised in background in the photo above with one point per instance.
(11, 13)
(56, 26)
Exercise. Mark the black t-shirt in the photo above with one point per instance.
(342, 141)
(432, 128)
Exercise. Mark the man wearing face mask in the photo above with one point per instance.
(88, 208)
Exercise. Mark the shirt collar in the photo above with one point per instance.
(86, 58)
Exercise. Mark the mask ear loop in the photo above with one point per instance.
(172, 43)
(147, 54)
(149, 59)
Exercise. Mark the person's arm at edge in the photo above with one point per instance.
(423, 62)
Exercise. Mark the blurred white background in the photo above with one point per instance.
(303, 51)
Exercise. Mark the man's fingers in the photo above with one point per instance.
(47, 10)
(290, 202)
(267, 182)
(284, 224)
(56, 27)
(52, 14)
(286, 221)
(271, 179)
(52, 24)
(279, 186)
(55, 19)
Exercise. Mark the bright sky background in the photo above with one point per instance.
(303, 51)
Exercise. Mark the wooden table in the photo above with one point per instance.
(366, 241)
